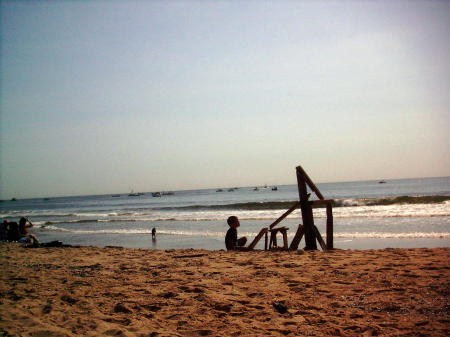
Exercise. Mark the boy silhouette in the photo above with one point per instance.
(231, 240)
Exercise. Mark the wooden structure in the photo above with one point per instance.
(308, 228)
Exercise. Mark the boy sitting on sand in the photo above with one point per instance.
(231, 240)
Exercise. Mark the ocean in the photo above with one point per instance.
(404, 213)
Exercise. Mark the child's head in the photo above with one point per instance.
(233, 221)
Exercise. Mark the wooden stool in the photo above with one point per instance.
(273, 237)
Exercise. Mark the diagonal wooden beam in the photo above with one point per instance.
(285, 214)
(310, 183)
(297, 238)
(257, 238)
(319, 238)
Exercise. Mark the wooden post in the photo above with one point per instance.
(307, 213)
(265, 241)
(285, 240)
(329, 226)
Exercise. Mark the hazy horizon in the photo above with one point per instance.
(104, 97)
(123, 193)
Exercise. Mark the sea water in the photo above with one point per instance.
(367, 214)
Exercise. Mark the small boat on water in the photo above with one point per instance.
(256, 189)
(219, 190)
(156, 194)
(274, 188)
(132, 194)
(382, 182)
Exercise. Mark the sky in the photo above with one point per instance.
(103, 97)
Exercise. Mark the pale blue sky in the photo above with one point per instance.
(104, 96)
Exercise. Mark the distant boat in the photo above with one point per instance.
(219, 190)
(167, 193)
(256, 189)
(13, 199)
(231, 190)
(132, 194)
(274, 188)
(382, 182)
(156, 194)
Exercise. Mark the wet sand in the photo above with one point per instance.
(91, 291)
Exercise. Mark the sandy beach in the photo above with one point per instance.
(90, 291)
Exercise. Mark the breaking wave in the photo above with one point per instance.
(274, 205)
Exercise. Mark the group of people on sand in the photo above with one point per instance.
(17, 232)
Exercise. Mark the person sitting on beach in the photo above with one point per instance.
(12, 230)
(4, 230)
(231, 240)
(26, 237)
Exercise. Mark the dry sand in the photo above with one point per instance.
(92, 291)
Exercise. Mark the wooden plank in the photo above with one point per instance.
(285, 214)
(257, 238)
(318, 203)
(307, 213)
(265, 241)
(310, 183)
(330, 226)
(319, 238)
(297, 238)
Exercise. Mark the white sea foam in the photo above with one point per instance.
(385, 211)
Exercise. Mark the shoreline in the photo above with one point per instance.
(213, 243)
(91, 291)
